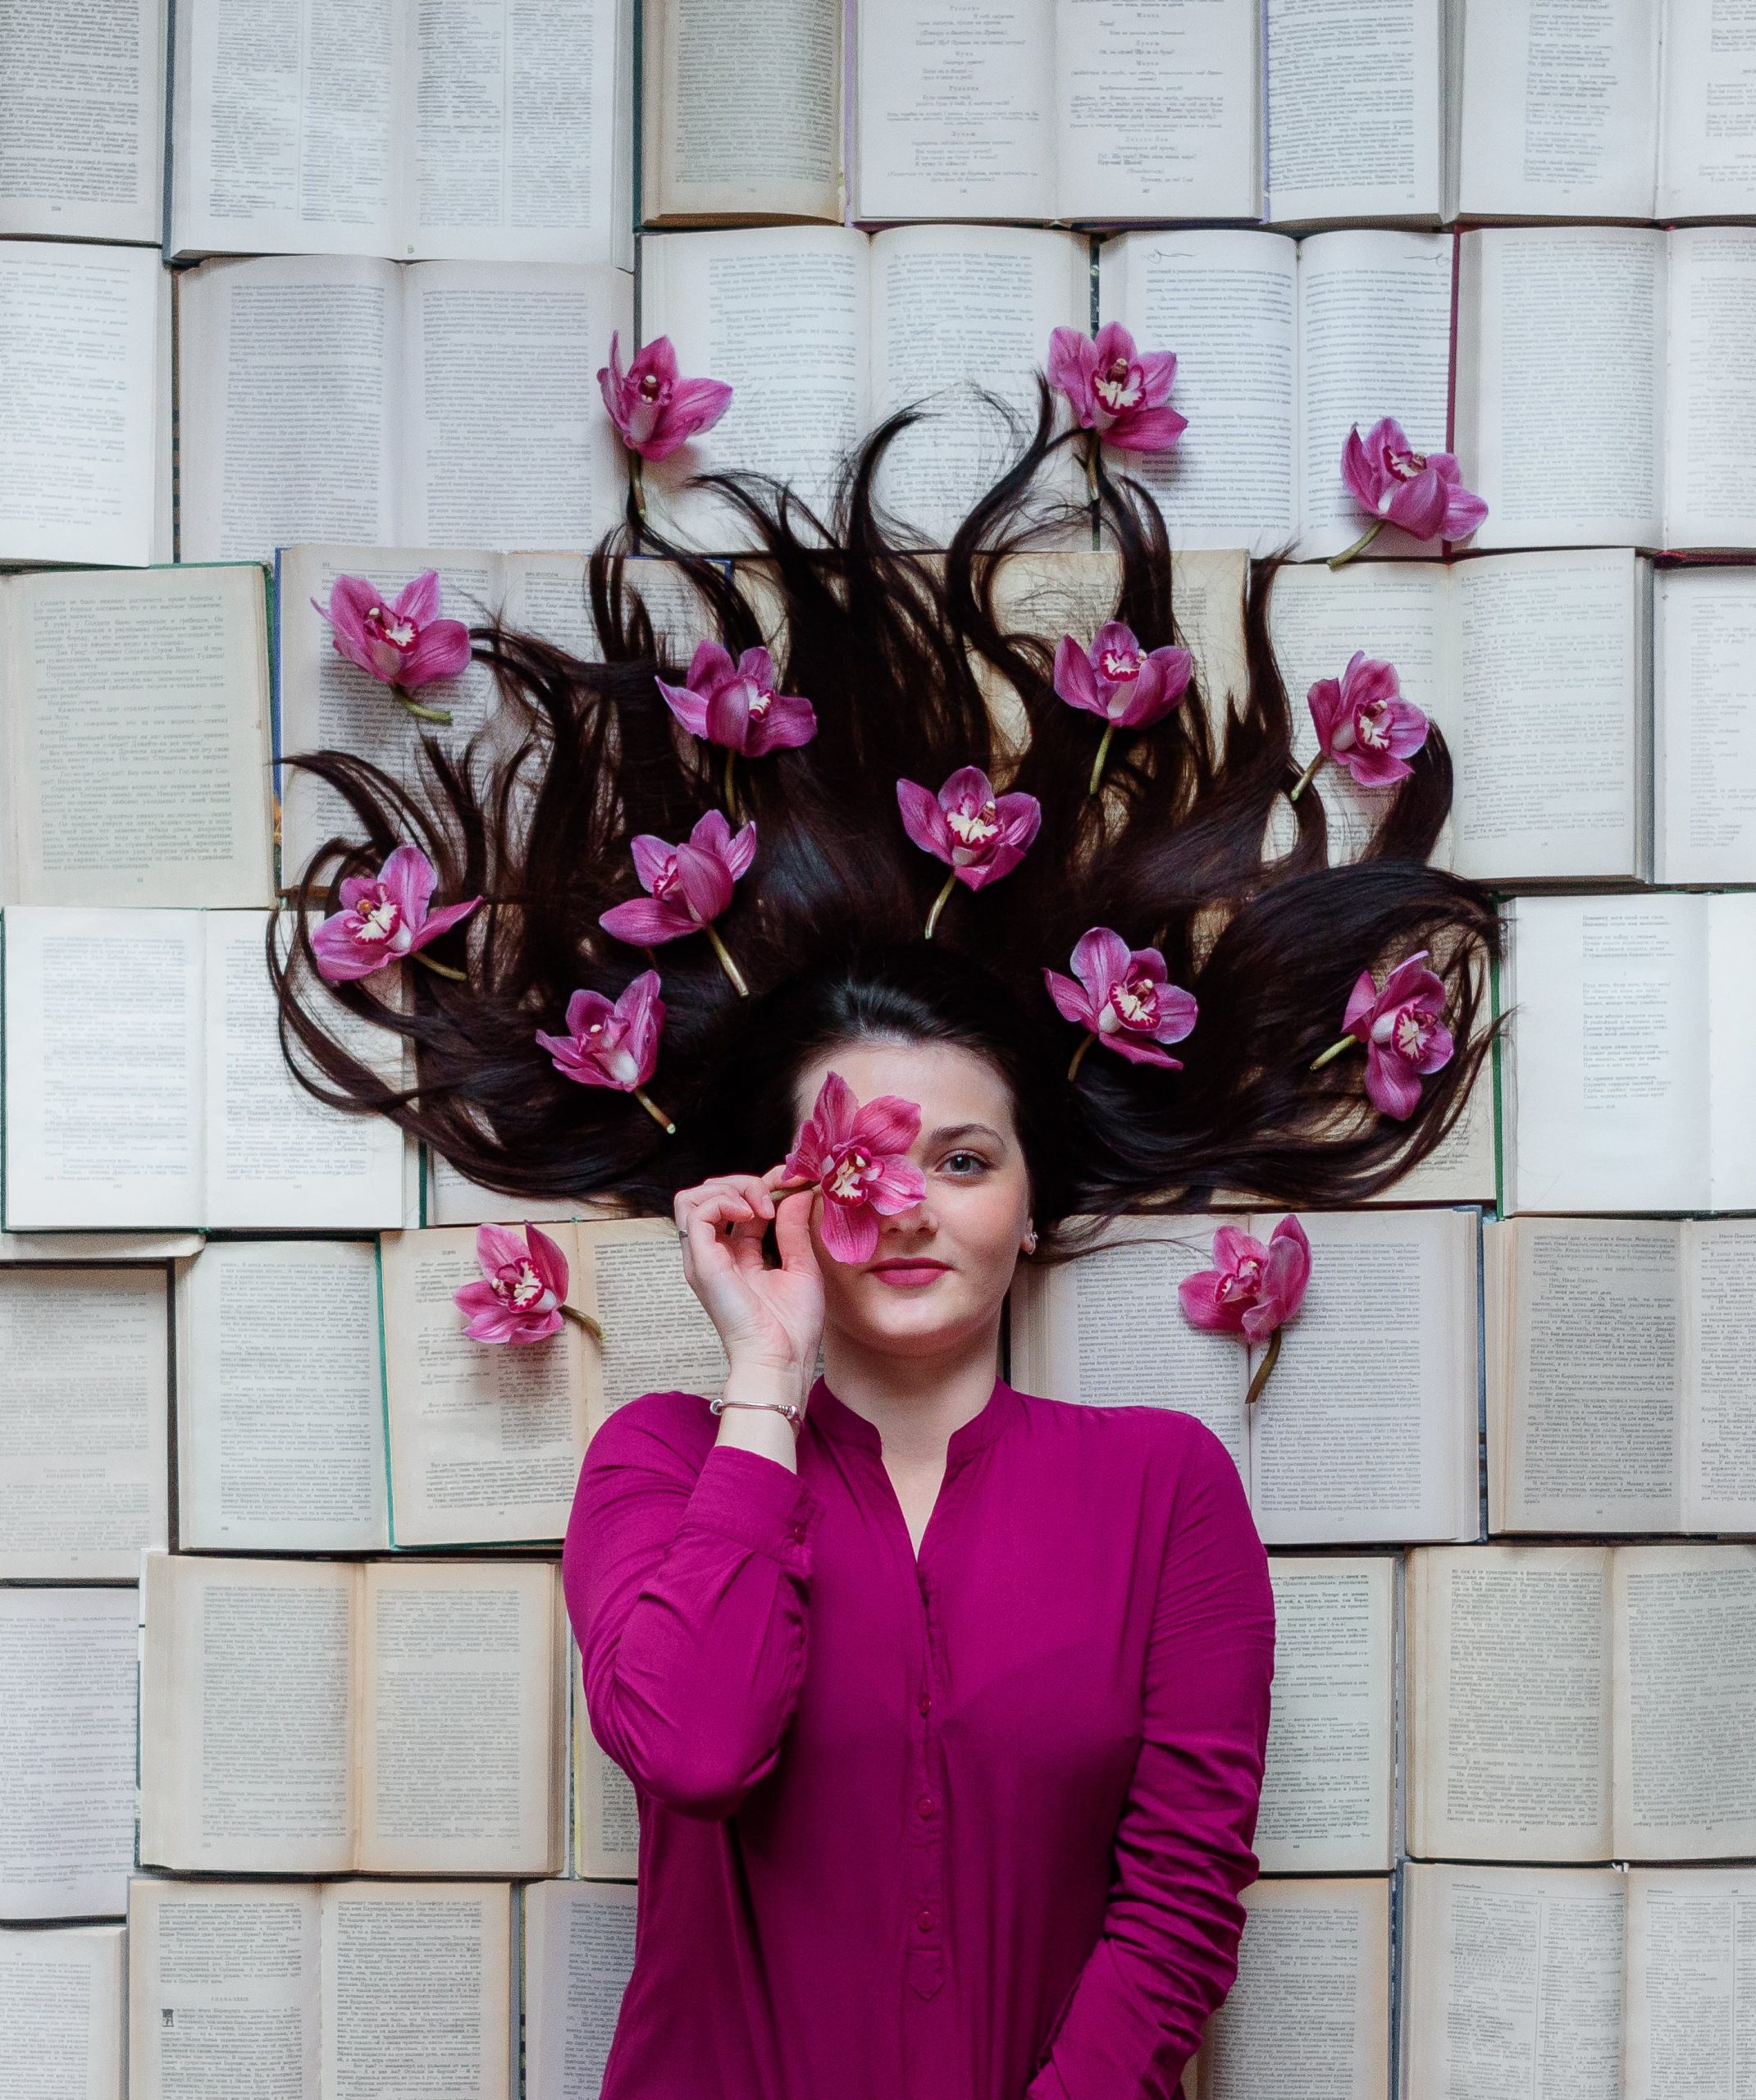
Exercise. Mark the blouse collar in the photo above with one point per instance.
(835, 1419)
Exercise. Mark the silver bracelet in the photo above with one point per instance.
(791, 1408)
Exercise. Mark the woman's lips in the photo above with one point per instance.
(909, 1275)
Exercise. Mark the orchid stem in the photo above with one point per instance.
(654, 1111)
(595, 1328)
(1092, 443)
(1360, 545)
(1265, 1367)
(1305, 778)
(1078, 1057)
(731, 787)
(420, 712)
(1097, 763)
(939, 904)
(1334, 1050)
(727, 964)
(440, 969)
(637, 485)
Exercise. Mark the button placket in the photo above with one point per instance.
(925, 1963)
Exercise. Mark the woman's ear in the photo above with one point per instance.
(1028, 1245)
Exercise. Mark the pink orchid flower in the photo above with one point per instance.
(1400, 1026)
(614, 1044)
(980, 836)
(402, 645)
(1117, 390)
(1420, 491)
(735, 704)
(689, 886)
(655, 408)
(1125, 685)
(1364, 724)
(384, 917)
(857, 1154)
(1123, 998)
(522, 1287)
(1251, 1290)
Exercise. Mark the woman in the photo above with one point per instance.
(945, 1704)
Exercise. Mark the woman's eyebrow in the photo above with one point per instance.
(947, 1131)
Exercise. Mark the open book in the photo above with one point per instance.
(322, 1992)
(197, 1121)
(1582, 1702)
(82, 121)
(313, 1717)
(134, 739)
(1619, 1379)
(85, 449)
(430, 403)
(1625, 1074)
(1059, 109)
(578, 1956)
(1619, 350)
(1283, 346)
(61, 2003)
(606, 1810)
(1366, 1429)
(821, 333)
(500, 131)
(1705, 725)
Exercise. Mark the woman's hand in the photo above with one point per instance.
(771, 1321)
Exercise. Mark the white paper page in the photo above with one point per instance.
(1719, 1429)
(94, 1138)
(82, 119)
(505, 442)
(453, 1198)
(1608, 1054)
(606, 1809)
(84, 1457)
(62, 2012)
(281, 1399)
(1705, 725)
(1158, 110)
(657, 1336)
(1732, 1050)
(579, 1955)
(1706, 149)
(79, 445)
(956, 111)
(1225, 303)
(67, 1706)
(1710, 455)
(1346, 141)
(290, 372)
(1692, 1981)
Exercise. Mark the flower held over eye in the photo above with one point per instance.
(1420, 491)
(612, 1044)
(402, 645)
(1251, 1290)
(1125, 685)
(655, 408)
(1117, 390)
(384, 917)
(857, 1154)
(689, 886)
(522, 1288)
(1400, 1026)
(1363, 722)
(980, 836)
(1123, 998)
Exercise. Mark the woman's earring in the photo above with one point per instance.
(1030, 1241)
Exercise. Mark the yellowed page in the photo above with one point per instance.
(656, 1336)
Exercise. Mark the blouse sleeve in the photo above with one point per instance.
(1167, 1951)
(687, 1589)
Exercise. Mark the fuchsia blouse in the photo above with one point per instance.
(968, 1827)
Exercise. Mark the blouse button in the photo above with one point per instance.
(925, 1702)
(925, 1805)
(798, 1531)
(925, 1919)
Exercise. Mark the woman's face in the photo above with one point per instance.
(943, 1266)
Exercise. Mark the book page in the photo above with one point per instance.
(1607, 1053)
(1081, 1330)
(1560, 105)
(280, 1399)
(505, 442)
(486, 1438)
(290, 368)
(1513, 1982)
(80, 451)
(84, 1458)
(956, 112)
(1719, 1429)
(68, 1688)
(1460, 1169)
(1326, 1804)
(82, 121)
(1705, 725)
(223, 1989)
(578, 1957)
(606, 1810)
(1709, 456)
(1359, 1436)
(453, 1198)
(1732, 1049)
(1347, 141)
(1510, 1686)
(1158, 110)
(137, 719)
(247, 1717)
(1594, 1405)
(1691, 1981)
(1225, 302)
(463, 1762)
(657, 1335)
(417, 1992)
(1707, 149)
(1685, 1701)
(61, 2006)
(92, 1137)
(1310, 2012)
(709, 63)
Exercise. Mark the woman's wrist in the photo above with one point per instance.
(764, 1411)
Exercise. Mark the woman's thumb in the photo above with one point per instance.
(793, 1233)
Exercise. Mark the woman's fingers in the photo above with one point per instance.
(792, 1234)
(727, 1198)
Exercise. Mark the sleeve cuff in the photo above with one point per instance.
(757, 1501)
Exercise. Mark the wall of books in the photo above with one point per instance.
(297, 1794)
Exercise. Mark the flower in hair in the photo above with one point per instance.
(1123, 998)
(735, 704)
(1125, 685)
(1422, 492)
(857, 1154)
(614, 1044)
(519, 1295)
(656, 411)
(688, 887)
(1117, 390)
(1251, 1290)
(402, 645)
(1364, 724)
(980, 836)
(1400, 1026)
(384, 917)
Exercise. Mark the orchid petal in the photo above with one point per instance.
(1203, 1306)
(849, 1232)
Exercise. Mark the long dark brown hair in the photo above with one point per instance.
(885, 639)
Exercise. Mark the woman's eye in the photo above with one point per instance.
(963, 1162)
